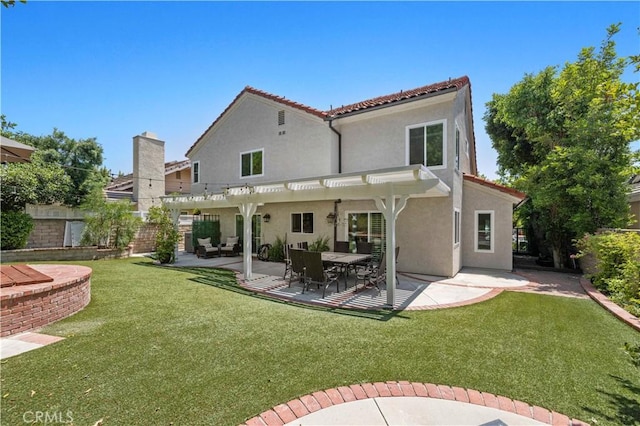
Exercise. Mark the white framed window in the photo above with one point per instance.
(484, 231)
(426, 144)
(457, 162)
(456, 227)
(252, 163)
(302, 223)
(195, 172)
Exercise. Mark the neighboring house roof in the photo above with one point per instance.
(386, 100)
(493, 185)
(125, 182)
(14, 151)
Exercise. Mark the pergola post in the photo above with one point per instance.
(391, 208)
(247, 210)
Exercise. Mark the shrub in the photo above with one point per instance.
(617, 272)
(15, 229)
(276, 252)
(167, 236)
(320, 244)
(109, 224)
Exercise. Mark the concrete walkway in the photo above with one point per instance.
(406, 403)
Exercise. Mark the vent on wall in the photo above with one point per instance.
(280, 117)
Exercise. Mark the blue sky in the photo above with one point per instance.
(112, 70)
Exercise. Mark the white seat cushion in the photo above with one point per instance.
(232, 241)
(204, 241)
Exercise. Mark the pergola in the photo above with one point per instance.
(389, 188)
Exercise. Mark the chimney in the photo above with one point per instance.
(148, 170)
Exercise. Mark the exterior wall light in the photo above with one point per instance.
(331, 218)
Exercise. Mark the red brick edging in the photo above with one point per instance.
(299, 407)
(604, 301)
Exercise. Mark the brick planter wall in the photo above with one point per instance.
(59, 253)
(28, 307)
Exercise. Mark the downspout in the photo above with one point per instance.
(339, 145)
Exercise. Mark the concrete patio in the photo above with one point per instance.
(414, 291)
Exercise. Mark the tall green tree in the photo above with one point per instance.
(81, 159)
(563, 136)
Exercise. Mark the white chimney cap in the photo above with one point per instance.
(149, 135)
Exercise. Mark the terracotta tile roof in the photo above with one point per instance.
(457, 84)
(493, 185)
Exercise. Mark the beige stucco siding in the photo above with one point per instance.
(377, 141)
(478, 198)
(304, 146)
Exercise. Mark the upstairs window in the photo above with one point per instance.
(195, 171)
(280, 117)
(426, 144)
(251, 163)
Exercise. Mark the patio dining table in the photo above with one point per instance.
(344, 259)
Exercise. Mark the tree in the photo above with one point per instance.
(11, 3)
(109, 224)
(81, 159)
(36, 182)
(563, 136)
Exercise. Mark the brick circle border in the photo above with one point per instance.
(299, 407)
(29, 307)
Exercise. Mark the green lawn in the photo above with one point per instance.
(156, 346)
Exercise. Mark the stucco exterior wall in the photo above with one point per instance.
(477, 197)
(303, 147)
(377, 141)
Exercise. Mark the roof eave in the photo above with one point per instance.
(392, 104)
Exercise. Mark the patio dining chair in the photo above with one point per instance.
(297, 266)
(341, 246)
(373, 274)
(314, 272)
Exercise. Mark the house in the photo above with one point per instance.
(14, 151)
(398, 169)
